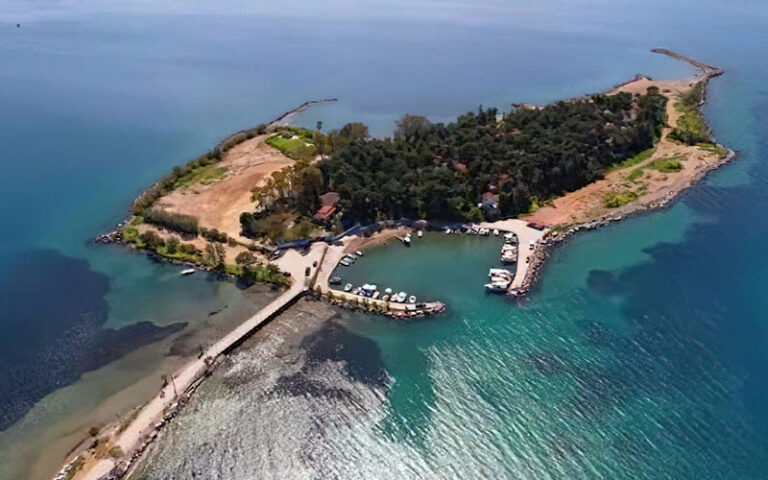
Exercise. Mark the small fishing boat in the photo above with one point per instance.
(448, 231)
(495, 287)
(385, 298)
(356, 291)
(347, 287)
(420, 234)
(359, 253)
(495, 232)
(188, 271)
(350, 258)
(335, 280)
(345, 263)
(412, 299)
(388, 291)
(407, 240)
(401, 297)
(375, 295)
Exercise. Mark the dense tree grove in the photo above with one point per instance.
(440, 171)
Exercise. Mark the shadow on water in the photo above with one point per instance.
(53, 311)
(332, 342)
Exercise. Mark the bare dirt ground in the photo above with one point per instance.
(587, 203)
(220, 203)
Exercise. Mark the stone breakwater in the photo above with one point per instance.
(545, 246)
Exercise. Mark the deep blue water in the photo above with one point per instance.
(98, 101)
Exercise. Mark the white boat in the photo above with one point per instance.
(407, 240)
(188, 271)
(385, 298)
(447, 231)
(500, 272)
(350, 258)
(356, 291)
(419, 234)
(347, 287)
(359, 253)
(375, 295)
(401, 297)
(495, 287)
(345, 263)
(495, 232)
(412, 299)
(388, 291)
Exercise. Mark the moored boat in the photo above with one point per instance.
(335, 280)
(188, 271)
(347, 287)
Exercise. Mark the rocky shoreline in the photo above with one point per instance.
(543, 249)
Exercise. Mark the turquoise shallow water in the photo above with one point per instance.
(641, 354)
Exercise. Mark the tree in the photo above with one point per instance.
(411, 126)
(353, 133)
(245, 258)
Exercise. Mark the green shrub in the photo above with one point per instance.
(173, 221)
(151, 239)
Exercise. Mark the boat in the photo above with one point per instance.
(484, 232)
(188, 271)
(356, 291)
(350, 258)
(401, 297)
(347, 287)
(375, 295)
(448, 231)
(385, 298)
(412, 299)
(368, 289)
(388, 291)
(531, 245)
(495, 232)
(359, 253)
(510, 238)
(494, 287)
(500, 272)
(335, 280)
(420, 234)
(345, 263)
(407, 240)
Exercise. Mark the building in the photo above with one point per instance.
(328, 203)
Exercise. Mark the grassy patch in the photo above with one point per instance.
(616, 199)
(184, 256)
(632, 161)
(203, 175)
(131, 235)
(634, 174)
(715, 148)
(691, 129)
(296, 143)
(666, 165)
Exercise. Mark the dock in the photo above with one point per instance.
(525, 236)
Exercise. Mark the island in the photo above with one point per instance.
(284, 205)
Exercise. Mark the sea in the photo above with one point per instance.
(641, 353)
